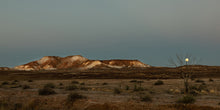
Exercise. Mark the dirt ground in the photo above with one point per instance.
(105, 91)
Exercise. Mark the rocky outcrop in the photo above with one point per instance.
(4, 68)
(77, 62)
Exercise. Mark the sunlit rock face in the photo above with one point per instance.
(4, 68)
(77, 62)
(124, 63)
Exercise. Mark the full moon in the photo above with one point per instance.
(187, 59)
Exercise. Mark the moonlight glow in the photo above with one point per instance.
(187, 59)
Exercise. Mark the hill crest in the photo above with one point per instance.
(78, 62)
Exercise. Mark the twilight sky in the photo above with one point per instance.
(148, 30)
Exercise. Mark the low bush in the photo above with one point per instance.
(71, 87)
(146, 98)
(4, 104)
(12, 83)
(49, 85)
(202, 87)
(5, 83)
(132, 81)
(158, 82)
(18, 106)
(117, 91)
(30, 80)
(84, 88)
(60, 84)
(15, 81)
(72, 97)
(15, 86)
(186, 100)
(193, 92)
(199, 81)
(126, 87)
(82, 83)
(46, 91)
(140, 81)
(192, 78)
(26, 87)
(138, 88)
(104, 83)
(151, 91)
(75, 82)
(211, 80)
(199, 87)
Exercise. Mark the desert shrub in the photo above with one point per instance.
(140, 81)
(146, 98)
(158, 82)
(12, 83)
(17, 106)
(15, 81)
(132, 81)
(34, 104)
(30, 80)
(202, 87)
(138, 88)
(192, 78)
(26, 87)
(104, 83)
(60, 84)
(74, 96)
(84, 88)
(75, 82)
(203, 83)
(4, 105)
(211, 80)
(193, 92)
(186, 99)
(5, 83)
(61, 87)
(49, 85)
(117, 91)
(71, 87)
(46, 91)
(199, 81)
(135, 87)
(126, 87)
(199, 87)
(16, 86)
(195, 89)
(151, 91)
(82, 83)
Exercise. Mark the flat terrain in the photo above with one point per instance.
(129, 73)
(110, 89)
(104, 94)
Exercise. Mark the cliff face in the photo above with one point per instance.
(77, 62)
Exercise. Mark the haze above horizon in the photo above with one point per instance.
(148, 30)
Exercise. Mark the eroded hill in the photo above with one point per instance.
(78, 62)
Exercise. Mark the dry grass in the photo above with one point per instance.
(102, 97)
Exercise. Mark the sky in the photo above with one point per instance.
(151, 31)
